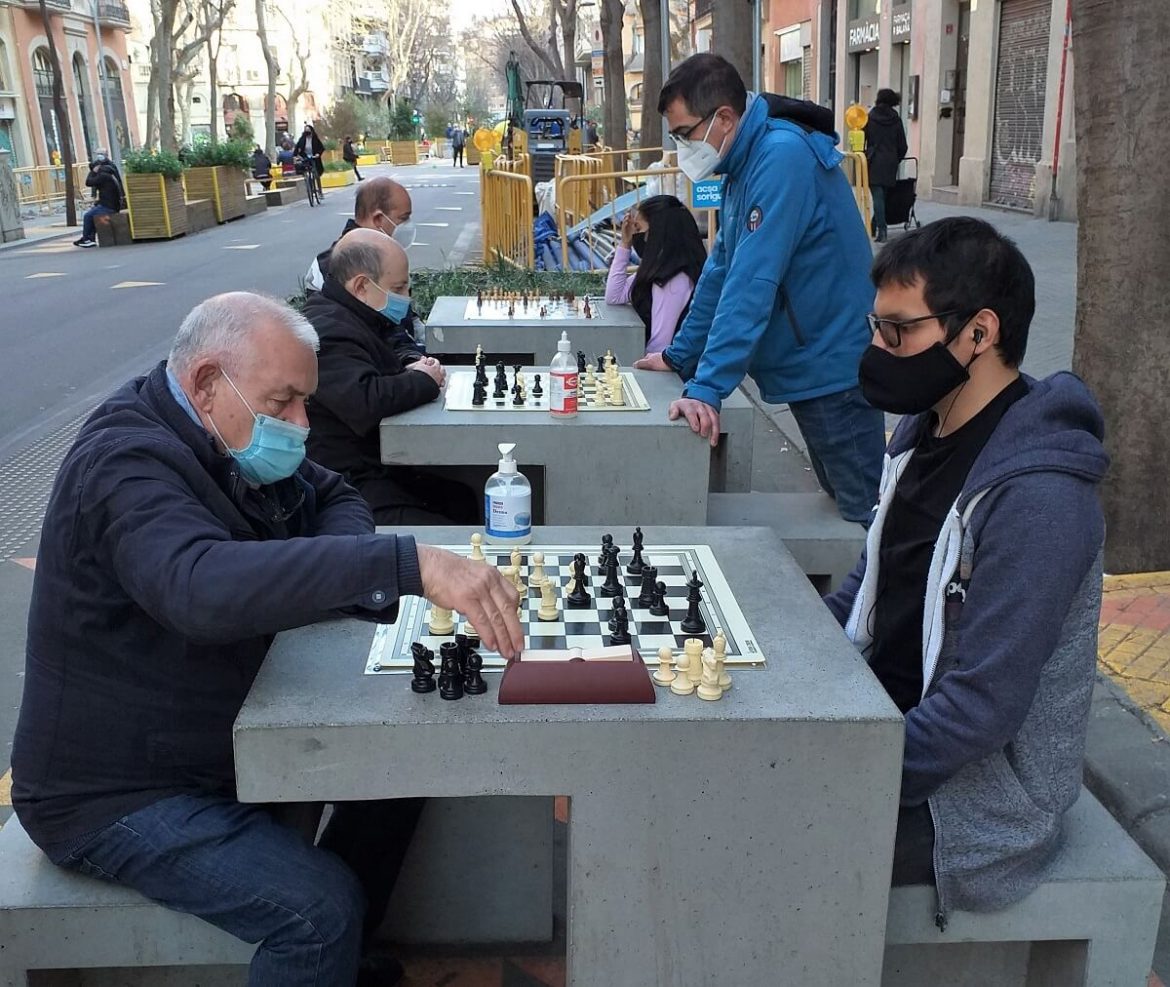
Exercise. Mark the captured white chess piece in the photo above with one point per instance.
(441, 621)
(720, 649)
(693, 649)
(709, 680)
(682, 684)
(665, 674)
(548, 602)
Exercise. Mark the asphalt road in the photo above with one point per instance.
(75, 323)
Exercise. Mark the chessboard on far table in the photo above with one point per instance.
(590, 395)
(588, 628)
(515, 305)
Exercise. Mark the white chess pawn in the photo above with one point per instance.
(709, 681)
(720, 650)
(548, 602)
(682, 684)
(477, 548)
(537, 577)
(665, 674)
(693, 649)
(440, 621)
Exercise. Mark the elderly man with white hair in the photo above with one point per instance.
(185, 529)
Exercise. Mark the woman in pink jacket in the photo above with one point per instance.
(671, 256)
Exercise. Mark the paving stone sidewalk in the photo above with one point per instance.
(1135, 640)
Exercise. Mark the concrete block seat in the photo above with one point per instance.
(825, 546)
(60, 920)
(113, 229)
(200, 215)
(1092, 923)
(291, 188)
(255, 203)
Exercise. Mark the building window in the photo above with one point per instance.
(862, 8)
(4, 83)
(43, 80)
(83, 104)
(794, 79)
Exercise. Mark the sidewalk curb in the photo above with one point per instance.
(1137, 580)
(28, 241)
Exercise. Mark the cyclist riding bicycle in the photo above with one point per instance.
(309, 149)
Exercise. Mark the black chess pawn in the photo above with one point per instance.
(693, 622)
(637, 563)
(424, 668)
(579, 598)
(584, 560)
(659, 608)
(478, 394)
(537, 390)
(618, 603)
(621, 630)
(517, 396)
(649, 581)
(463, 650)
(612, 585)
(450, 675)
(473, 683)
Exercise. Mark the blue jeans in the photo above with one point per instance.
(88, 232)
(846, 441)
(237, 867)
(879, 209)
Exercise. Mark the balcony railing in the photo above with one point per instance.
(62, 5)
(375, 44)
(113, 14)
(703, 7)
(373, 82)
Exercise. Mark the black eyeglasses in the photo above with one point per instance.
(891, 329)
(685, 136)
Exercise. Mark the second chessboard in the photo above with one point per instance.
(594, 393)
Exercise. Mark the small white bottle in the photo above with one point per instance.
(507, 502)
(562, 383)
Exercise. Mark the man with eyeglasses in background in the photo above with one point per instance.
(977, 598)
(783, 295)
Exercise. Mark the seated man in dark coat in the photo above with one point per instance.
(185, 529)
(370, 369)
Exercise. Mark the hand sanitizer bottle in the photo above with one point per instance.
(507, 502)
(562, 373)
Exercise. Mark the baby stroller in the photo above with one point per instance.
(901, 198)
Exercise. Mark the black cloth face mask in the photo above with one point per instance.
(909, 385)
(640, 244)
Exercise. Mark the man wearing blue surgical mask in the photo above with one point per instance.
(370, 370)
(185, 530)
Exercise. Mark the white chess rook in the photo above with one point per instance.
(693, 649)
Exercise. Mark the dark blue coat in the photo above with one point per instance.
(161, 579)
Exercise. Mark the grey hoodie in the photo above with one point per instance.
(1009, 643)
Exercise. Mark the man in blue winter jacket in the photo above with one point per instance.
(976, 600)
(784, 294)
(184, 530)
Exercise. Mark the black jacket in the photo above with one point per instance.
(885, 145)
(362, 377)
(348, 153)
(161, 578)
(107, 188)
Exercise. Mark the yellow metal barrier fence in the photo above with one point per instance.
(506, 214)
(856, 168)
(45, 184)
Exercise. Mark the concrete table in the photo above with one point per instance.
(744, 841)
(602, 467)
(527, 338)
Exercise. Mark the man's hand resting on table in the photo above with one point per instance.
(476, 590)
(651, 361)
(432, 368)
(703, 419)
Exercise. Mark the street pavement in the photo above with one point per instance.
(101, 316)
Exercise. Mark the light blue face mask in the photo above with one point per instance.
(276, 450)
(396, 305)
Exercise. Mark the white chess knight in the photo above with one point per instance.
(709, 679)
(720, 649)
(548, 602)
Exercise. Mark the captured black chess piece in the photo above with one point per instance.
(581, 361)
(517, 396)
(637, 562)
(621, 627)
(601, 365)
(473, 682)
(501, 381)
(424, 668)
(478, 394)
(579, 598)
(649, 581)
(693, 622)
(659, 608)
(537, 390)
(450, 675)
(612, 585)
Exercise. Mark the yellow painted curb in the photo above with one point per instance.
(1137, 580)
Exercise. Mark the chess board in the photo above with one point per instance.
(496, 309)
(460, 384)
(588, 628)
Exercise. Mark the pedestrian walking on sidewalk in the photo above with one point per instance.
(351, 156)
(458, 140)
(885, 147)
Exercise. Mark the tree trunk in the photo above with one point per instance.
(1123, 253)
(273, 71)
(567, 9)
(612, 14)
(213, 91)
(651, 80)
(164, 89)
(537, 49)
(61, 111)
(731, 34)
(149, 138)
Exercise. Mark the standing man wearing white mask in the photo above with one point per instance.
(784, 295)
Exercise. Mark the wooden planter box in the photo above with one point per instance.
(404, 152)
(472, 153)
(224, 186)
(158, 208)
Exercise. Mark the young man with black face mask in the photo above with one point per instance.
(977, 597)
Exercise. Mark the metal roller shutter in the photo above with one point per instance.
(1020, 80)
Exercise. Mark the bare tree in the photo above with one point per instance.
(548, 53)
(298, 72)
(613, 13)
(61, 112)
(273, 72)
(651, 78)
(212, 15)
(406, 19)
(1122, 349)
(566, 12)
(204, 17)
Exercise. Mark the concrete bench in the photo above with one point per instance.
(113, 229)
(255, 203)
(288, 189)
(59, 920)
(825, 546)
(200, 215)
(1092, 923)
